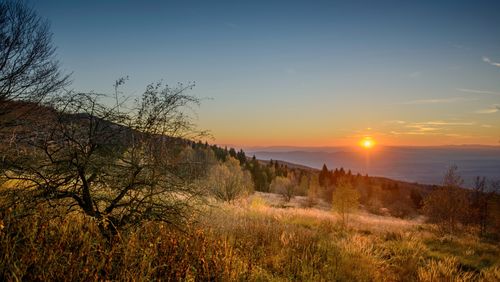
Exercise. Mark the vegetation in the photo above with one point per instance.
(284, 186)
(228, 182)
(29, 70)
(93, 190)
(345, 201)
(248, 241)
(452, 207)
(312, 191)
(448, 205)
(118, 167)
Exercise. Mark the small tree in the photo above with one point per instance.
(416, 198)
(345, 200)
(448, 205)
(313, 191)
(284, 186)
(227, 181)
(303, 185)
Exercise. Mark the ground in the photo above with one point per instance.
(258, 238)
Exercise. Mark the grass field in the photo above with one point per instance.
(258, 238)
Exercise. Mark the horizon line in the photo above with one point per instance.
(337, 146)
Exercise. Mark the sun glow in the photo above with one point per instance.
(367, 143)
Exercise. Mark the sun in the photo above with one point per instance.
(367, 143)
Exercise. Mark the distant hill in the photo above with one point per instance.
(290, 165)
(413, 164)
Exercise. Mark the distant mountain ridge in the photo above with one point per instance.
(414, 164)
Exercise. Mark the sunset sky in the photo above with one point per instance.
(300, 73)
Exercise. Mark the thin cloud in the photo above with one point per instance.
(411, 133)
(476, 91)
(491, 110)
(395, 121)
(433, 127)
(486, 111)
(423, 128)
(455, 135)
(437, 101)
(439, 122)
(489, 61)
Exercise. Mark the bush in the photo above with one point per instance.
(284, 186)
(227, 181)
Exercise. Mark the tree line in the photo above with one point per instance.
(123, 163)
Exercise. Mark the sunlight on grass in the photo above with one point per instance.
(250, 240)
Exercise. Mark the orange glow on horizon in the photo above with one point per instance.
(378, 140)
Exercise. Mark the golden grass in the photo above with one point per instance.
(250, 240)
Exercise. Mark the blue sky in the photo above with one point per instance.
(300, 72)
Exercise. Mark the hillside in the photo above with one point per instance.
(257, 234)
(112, 158)
(255, 240)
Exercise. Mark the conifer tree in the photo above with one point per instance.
(324, 176)
(232, 153)
(241, 157)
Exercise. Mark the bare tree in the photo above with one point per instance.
(448, 205)
(29, 70)
(118, 167)
(483, 197)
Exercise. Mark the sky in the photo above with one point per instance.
(300, 73)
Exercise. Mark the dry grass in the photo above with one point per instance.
(255, 239)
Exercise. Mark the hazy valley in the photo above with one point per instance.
(413, 164)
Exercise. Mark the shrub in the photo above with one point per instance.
(284, 186)
(227, 181)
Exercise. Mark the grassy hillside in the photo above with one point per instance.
(259, 237)
(255, 239)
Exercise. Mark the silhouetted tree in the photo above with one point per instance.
(118, 167)
(241, 157)
(324, 176)
(482, 198)
(232, 153)
(416, 198)
(447, 205)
